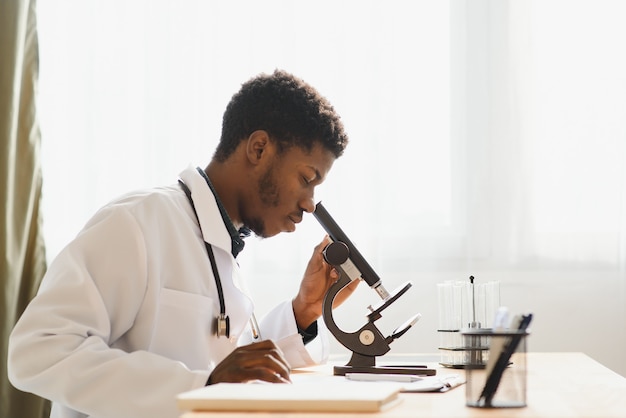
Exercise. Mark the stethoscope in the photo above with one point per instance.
(222, 328)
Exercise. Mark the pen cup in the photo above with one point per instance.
(502, 382)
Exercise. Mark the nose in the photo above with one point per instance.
(307, 204)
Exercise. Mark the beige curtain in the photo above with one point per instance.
(22, 262)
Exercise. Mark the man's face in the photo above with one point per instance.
(285, 190)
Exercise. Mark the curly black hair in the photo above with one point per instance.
(288, 109)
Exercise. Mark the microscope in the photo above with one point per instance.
(367, 343)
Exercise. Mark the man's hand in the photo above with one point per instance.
(257, 361)
(318, 278)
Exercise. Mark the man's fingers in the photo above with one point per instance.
(319, 248)
(271, 377)
(325, 241)
(258, 361)
(267, 347)
(268, 361)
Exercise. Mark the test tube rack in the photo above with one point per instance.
(465, 305)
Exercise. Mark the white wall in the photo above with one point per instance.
(114, 121)
(531, 91)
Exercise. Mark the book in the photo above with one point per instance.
(320, 394)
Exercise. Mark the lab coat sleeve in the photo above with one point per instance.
(280, 326)
(61, 349)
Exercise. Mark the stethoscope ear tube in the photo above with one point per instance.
(222, 327)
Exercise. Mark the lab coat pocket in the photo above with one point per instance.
(183, 326)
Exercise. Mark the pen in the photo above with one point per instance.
(254, 326)
(452, 381)
(493, 379)
(377, 377)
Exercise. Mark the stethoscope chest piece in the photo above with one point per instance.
(222, 326)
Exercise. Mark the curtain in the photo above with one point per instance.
(487, 139)
(23, 262)
(545, 147)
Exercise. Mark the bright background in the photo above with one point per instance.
(488, 138)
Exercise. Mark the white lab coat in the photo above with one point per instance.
(124, 318)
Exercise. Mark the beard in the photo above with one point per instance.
(269, 197)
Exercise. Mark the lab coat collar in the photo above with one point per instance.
(236, 237)
(214, 230)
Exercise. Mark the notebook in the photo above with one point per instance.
(320, 394)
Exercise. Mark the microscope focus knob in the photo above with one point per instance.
(336, 253)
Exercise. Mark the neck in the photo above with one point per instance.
(223, 177)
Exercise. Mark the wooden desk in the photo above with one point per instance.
(560, 385)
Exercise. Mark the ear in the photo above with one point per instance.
(257, 146)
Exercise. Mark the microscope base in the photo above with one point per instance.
(399, 369)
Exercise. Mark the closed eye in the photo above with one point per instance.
(312, 177)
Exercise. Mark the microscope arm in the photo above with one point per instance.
(368, 340)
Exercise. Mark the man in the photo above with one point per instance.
(146, 302)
